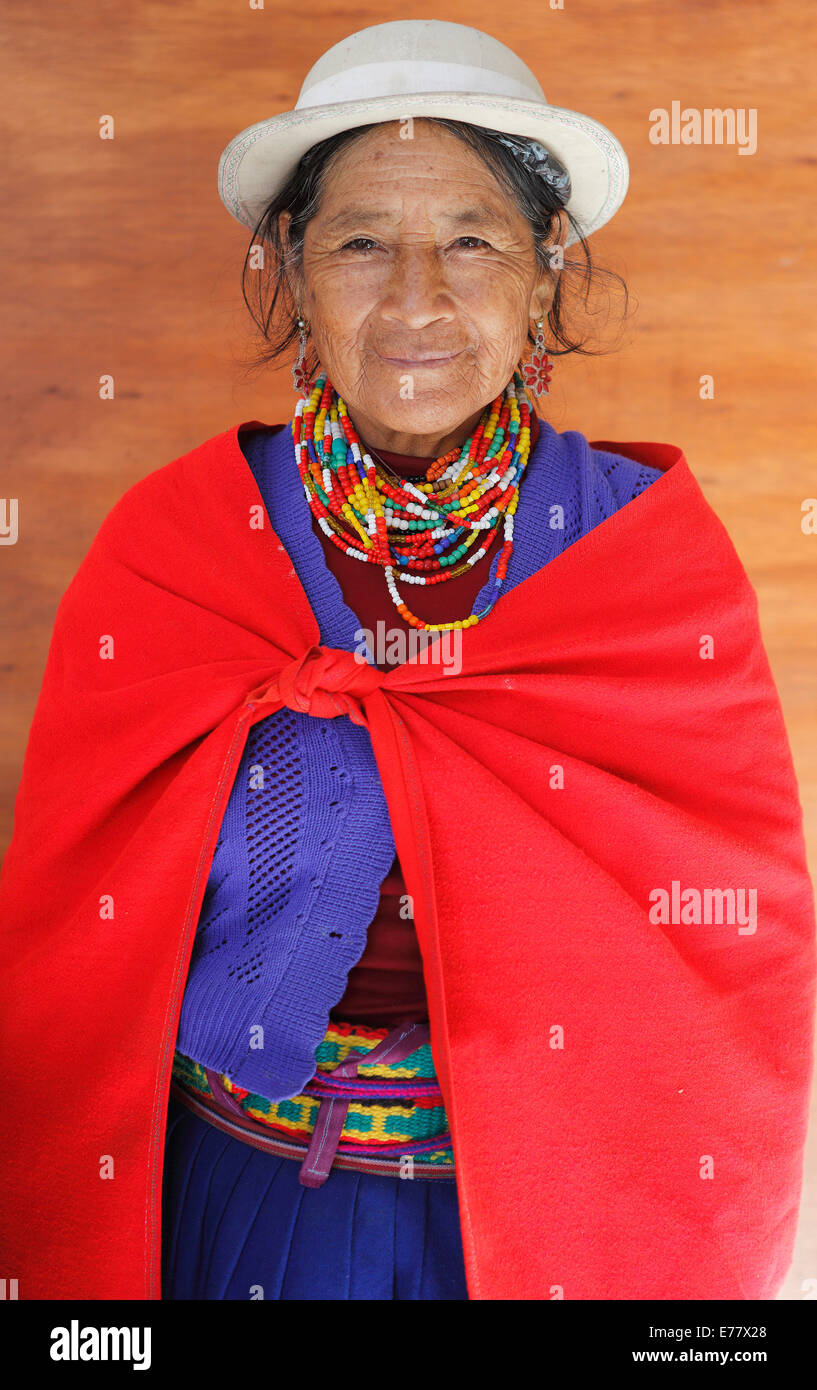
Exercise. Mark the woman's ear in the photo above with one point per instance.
(542, 296)
(561, 228)
(290, 267)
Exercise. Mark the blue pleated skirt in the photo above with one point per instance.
(237, 1224)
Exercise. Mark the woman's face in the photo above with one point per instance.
(418, 253)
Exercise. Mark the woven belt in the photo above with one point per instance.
(374, 1105)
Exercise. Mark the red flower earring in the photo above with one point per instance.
(537, 368)
(300, 377)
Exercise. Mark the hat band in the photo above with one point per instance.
(394, 79)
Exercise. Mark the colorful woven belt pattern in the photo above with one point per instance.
(395, 1110)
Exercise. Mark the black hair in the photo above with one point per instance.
(266, 290)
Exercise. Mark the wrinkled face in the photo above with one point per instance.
(419, 280)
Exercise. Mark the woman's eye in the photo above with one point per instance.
(365, 244)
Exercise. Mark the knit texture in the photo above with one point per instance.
(306, 841)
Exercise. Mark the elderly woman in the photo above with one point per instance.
(368, 1098)
(412, 262)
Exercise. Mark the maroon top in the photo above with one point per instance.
(386, 987)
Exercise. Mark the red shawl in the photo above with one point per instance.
(627, 1094)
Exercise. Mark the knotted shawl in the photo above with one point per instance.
(627, 1086)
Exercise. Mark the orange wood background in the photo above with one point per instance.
(120, 258)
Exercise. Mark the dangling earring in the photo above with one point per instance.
(537, 368)
(300, 377)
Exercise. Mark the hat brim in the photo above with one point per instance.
(259, 160)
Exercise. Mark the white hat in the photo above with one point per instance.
(423, 67)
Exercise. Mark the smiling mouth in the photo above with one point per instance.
(422, 361)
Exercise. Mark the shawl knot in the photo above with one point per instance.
(324, 682)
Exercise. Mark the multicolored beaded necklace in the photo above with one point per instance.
(420, 532)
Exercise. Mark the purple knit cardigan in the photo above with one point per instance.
(306, 841)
